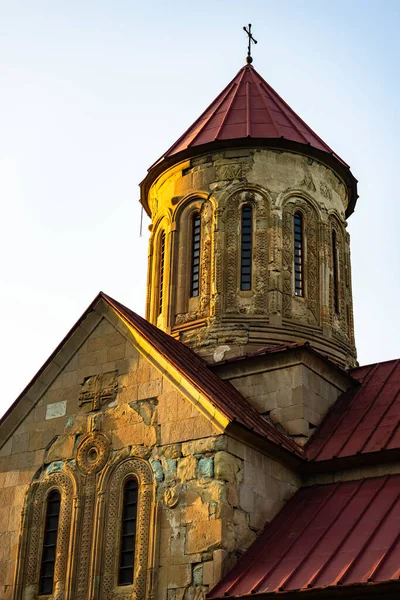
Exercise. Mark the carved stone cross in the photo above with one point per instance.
(99, 389)
(249, 58)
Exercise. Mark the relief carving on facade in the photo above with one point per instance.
(98, 390)
(229, 172)
(205, 284)
(339, 320)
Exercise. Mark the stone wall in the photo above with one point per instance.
(293, 388)
(207, 495)
(223, 318)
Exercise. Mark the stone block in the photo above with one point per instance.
(197, 575)
(179, 575)
(226, 466)
(55, 410)
(158, 471)
(206, 467)
(204, 536)
(20, 443)
(209, 444)
(187, 468)
(172, 451)
(61, 449)
(208, 573)
(196, 512)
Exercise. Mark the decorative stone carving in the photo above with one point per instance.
(259, 298)
(32, 536)
(308, 183)
(228, 172)
(112, 529)
(92, 453)
(99, 389)
(325, 190)
(171, 495)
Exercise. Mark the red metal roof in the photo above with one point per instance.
(221, 393)
(328, 535)
(248, 108)
(364, 420)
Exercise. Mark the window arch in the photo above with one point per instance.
(46, 580)
(117, 486)
(161, 272)
(43, 561)
(195, 256)
(128, 532)
(298, 254)
(246, 243)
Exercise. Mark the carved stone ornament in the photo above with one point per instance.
(228, 172)
(308, 183)
(28, 571)
(99, 389)
(92, 453)
(171, 495)
(112, 531)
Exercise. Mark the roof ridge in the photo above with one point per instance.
(221, 393)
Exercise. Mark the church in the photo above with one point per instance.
(229, 445)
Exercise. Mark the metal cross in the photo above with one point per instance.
(249, 58)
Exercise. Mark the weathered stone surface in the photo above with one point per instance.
(61, 449)
(203, 536)
(157, 469)
(172, 451)
(206, 467)
(187, 468)
(210, 444)
(226, 467)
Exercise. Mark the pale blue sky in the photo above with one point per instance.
(91, 93)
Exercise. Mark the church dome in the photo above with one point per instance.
(248, 246)
(249, 112)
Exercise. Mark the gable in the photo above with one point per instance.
(104, 371)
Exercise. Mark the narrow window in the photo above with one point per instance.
(298, 255)
(128, 533)
(195, 266)
(49, 544)
(335, 273)
(246, 249)
(161, 273)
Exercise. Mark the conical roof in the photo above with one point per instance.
(248, 112)
(248, 108)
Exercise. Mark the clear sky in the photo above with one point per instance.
(92, 93)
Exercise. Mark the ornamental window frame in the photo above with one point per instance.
(113, 486)
(30, 551)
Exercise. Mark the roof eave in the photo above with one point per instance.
(386, 590)
(329, 159)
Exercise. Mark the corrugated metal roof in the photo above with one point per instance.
(221, 393)
(363, 420)
(329, 535)
(248, 108)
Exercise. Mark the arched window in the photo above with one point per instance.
(195, 263)
(335, 267)
(161, 269)
(246, 248)
(298, 255)
(46, 580)
(128, 533)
